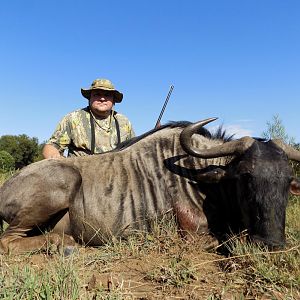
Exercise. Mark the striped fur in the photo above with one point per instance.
(134, 185)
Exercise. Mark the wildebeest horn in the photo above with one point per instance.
(229, 148)
(291, 152)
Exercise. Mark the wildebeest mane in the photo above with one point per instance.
(220, 133)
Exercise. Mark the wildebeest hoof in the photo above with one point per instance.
(69, 250)
(212, 246)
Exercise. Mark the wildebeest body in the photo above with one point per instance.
(115, 193)
(135, 188)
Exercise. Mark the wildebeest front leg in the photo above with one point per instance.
(192, 222)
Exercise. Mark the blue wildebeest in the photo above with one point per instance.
(210, 184)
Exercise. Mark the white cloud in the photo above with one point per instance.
(238, 131)
(235, 129)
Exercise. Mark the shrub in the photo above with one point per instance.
(22, 148)
(7, 162)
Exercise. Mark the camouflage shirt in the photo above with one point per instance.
(74, 133)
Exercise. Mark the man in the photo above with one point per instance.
(95, 129)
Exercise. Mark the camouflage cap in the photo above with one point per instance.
(102, 84)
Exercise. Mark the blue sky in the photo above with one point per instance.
(232, 59)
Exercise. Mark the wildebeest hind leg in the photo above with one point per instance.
(15, 242)
(24, 235)
(34, 201)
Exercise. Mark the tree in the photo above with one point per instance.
(276, 130)
(7, 162)
(40, 152)
(22, 148)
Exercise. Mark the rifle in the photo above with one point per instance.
(164, 107)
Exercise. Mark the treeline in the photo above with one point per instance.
(18, 151)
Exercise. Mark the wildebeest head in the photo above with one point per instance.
(259, 178)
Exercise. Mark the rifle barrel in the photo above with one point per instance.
(164, 106)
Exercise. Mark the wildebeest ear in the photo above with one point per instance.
(211, 176)
(295, 187)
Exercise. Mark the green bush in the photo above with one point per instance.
(7, 162)
(22, 148)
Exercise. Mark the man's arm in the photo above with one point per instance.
(49, 151)
(59, 141)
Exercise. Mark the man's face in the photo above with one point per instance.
(101, 102)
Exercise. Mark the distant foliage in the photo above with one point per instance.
(276, 130)
(40, 151)
(7, 162)
(22, 148)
